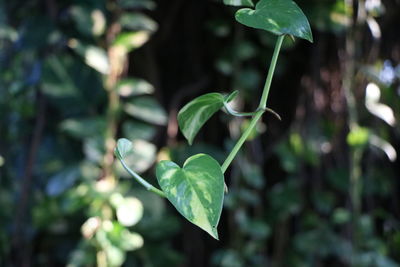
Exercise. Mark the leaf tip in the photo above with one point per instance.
(190, 140)
(310, 37)
(214, 233)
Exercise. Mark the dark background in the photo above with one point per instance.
(319, 188)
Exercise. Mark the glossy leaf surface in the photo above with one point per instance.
(197, 112)
(196, 190)
(278, 17)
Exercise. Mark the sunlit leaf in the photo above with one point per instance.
(197, 112)
(138, 22)
(358, 137)
(196, 190)
(94, 56)
(278, 17)
(146, 109)
(133, 87)
(372, 102)
(131, 40)
(385, 146)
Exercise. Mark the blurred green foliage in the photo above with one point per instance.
(291, 198)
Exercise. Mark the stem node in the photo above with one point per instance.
(262, 107)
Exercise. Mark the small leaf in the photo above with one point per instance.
(278, 17)
(239, 3)
(196, 113)
(129, 41)
(134, 87)
(123, 149)
(138, 21)
(147, 109)
(141, 157)
(196, 190)
(94, 56)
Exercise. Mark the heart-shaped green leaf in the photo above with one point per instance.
(196, 190)
(196, 113)
(278, 17)
(238, 2)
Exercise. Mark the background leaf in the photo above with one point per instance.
(133, 87)
(239, 2)
(146, 109)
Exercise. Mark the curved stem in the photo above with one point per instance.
(142, 181)
(235, 113)
(262, 106)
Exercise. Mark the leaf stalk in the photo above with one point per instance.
(142, 181)
(262, 106)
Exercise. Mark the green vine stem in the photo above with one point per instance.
(142, 181)
(262, 106)
(235, 113)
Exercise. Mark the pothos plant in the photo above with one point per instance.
(197, 188)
